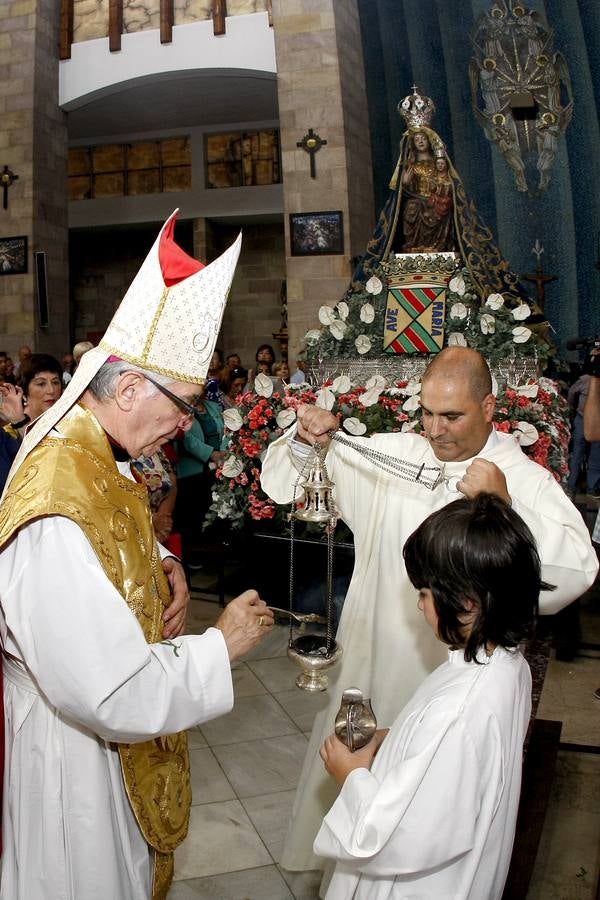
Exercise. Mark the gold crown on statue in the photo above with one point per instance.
(416, 109)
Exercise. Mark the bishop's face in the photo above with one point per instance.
(157, 416)
(456, 424)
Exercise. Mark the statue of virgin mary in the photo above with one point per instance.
(428, 210)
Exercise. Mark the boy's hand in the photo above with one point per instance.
(339, 761)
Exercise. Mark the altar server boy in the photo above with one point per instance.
(429, 808)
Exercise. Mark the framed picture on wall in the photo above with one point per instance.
(13, 255)
(316, 233)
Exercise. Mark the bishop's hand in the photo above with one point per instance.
(244, 622)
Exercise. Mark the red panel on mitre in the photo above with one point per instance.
(175, 264)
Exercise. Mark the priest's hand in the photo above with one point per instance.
(244, 622)
(314, 423)
(339, 761)
(175, 614)
(484, 477)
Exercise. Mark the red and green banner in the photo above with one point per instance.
(414, 316)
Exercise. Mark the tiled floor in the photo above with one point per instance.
(245, 768)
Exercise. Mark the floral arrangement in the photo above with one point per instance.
(355, 325)
(535, 413)
(495, 329)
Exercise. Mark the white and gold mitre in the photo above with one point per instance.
(169, 319)
(416, 109)
(167, 322)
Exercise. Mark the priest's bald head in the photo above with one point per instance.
(457, 403)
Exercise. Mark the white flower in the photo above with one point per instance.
(325, 399)
(548, 385)
(362, 344)
(521, 312)
(343, 309)
(338, 329)
(487, 323)
(376, 381)
(370, 397)
(263, 385)
(407, 426)
(521, 334)
(529, 390)
(367, 313)
(312, 336)
(457, 285)
(326, 315)
(354, 426)
(495, 301)
(374, 285)
(526, 434)
(232, 419)
(413, 387)
(285, 418)
(411, 404)
(458, 311)
(341, 384)
(494, 386)
(232, 467)
(456, 339)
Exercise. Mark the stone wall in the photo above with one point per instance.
(253, 311)
(104, 263)
(33, 143)
(321, 85)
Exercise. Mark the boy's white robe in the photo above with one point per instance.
(435, 816)
(68, 829)
(388, 649)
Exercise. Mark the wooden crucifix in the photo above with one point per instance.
(539, 278)
(6, 179)
(312, 143)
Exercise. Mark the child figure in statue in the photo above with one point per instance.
(429, 809)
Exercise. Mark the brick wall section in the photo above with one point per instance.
(253, 311)
(104, 263)
(321, 86)
(37, 153)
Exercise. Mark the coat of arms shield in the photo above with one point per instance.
(414, 315)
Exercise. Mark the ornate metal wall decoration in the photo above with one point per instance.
(520, 88)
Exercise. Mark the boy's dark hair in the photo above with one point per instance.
(478, 550)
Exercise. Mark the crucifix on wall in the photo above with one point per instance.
(539, 278)
(312, 143)
(6, 179)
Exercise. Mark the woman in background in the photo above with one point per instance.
(41, 380)
(198, 455)
(233, 386)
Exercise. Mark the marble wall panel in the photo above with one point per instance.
(140, 15)
(91, 16)
(90, 19)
